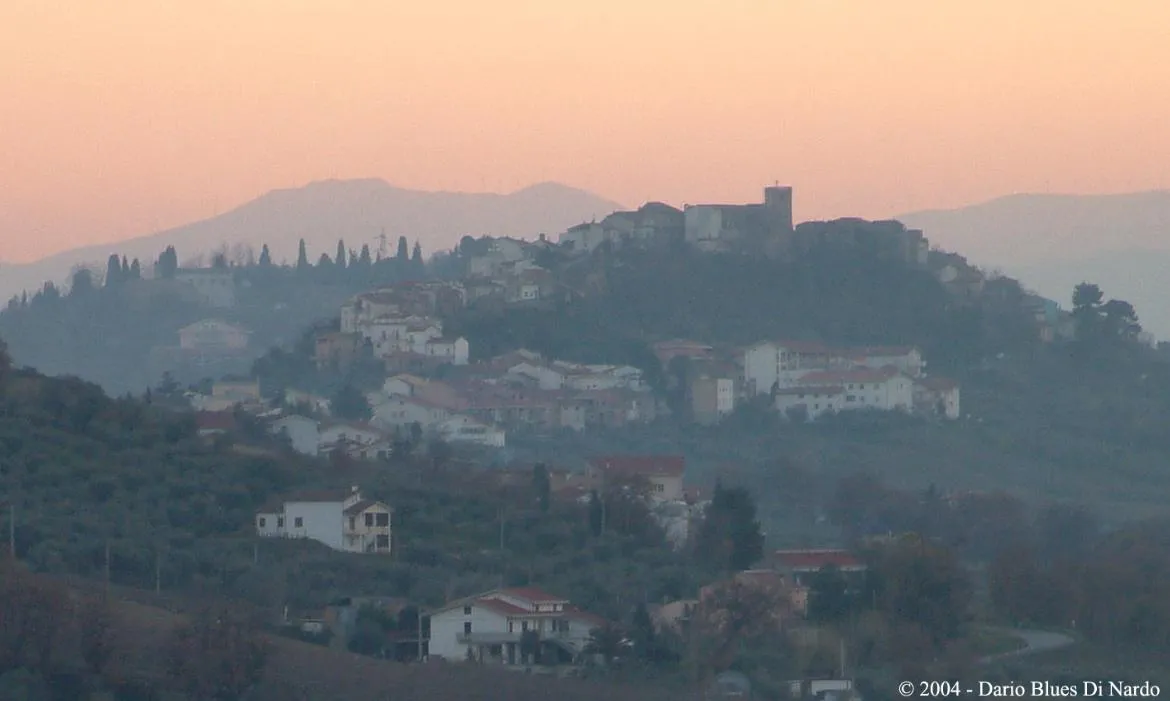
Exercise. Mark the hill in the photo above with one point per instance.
(1119, 241)
(322, 212)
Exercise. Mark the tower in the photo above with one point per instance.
(778, 204)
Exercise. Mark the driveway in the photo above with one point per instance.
(1035, 641)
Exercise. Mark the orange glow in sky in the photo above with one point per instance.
(121, 118)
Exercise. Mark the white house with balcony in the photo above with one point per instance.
(491, 628)
(341, 520)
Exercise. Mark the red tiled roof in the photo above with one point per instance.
(501, 607)
(576, 614)
(672, 465)
(836, 377)
(818, 390)
(362, 506)
(533, 594)
(816, 559)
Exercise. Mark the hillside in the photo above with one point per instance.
(357, 211)
(1119, 241)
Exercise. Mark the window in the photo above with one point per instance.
(466, 610)
(280, 521)
(467, 627)
(352, 523)
(383, 542)
(298, 522)
(369, 520)
(383, 520)
(511, 627)
(263, 522)
(524, 626)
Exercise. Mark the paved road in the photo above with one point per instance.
(1034, 641)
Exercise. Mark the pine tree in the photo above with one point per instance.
(114, 271)
(135, 270)
(542, 486)
(730, 534)
(416, 256)
(596, 514)
(302, 257)
(403, 249)
(324, 262)
(364, 257)
(265, 257)
(167, 264)
(339, 259)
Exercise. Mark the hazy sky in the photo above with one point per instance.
(121, 118)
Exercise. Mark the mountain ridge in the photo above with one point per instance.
(323, 211)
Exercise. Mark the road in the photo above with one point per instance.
(1035, 641)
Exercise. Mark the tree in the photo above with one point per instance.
(5, 360)
(168, 264)
(416, 256)
(542, 486)
(1120, 320)
(219, 656)
(265, 257)
(302, 256)
(135, 270)
(219, 261)
(113, 271)
(403, 250)
(828, 597)
(730, 534)
(82, 284)
(340, 260)
(921, 583)
(125, 269)
(364, 260)
(350, 403)
(609, 642)
(596, 514)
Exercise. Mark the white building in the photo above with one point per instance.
(350, 437)
(400, 411)
(465, 429)
(303, 433)
(343, 521)
(451, 350)
(546, 378)
(907, 359)
(489, 627)
(712, 398)
(938, 396)
(663, 473)
(825, 391)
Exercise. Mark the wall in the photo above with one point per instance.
(302, 432)
(322, 522)
(448, 625)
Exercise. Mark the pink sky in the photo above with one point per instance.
(121, 118)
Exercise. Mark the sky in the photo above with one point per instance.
(118, 119)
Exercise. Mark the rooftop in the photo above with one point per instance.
(646, 465)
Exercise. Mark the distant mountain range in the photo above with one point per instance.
(357, 211)
(1053, 242)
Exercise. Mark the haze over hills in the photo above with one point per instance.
(357, 211)
(1052, 242)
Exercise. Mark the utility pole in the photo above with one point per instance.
(107, 568)
(157, 571)
(12, 531)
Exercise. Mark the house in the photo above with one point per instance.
(802, 565)
(214, 423)
(315, 402)
(432, 391)
(938, 396)
(712, 398)
(546, 377)
(227, 394)
(664, 473)
(341, 520)
(303, 433)
(666, 351)
(213, 287)
(353, 438)
(213, 336)
(885, 390)
(465, 429)
(336, 348)
(776, 364)
(673, 616)
(402, 411)
(496, 627)
(907, 359)
(451, 350)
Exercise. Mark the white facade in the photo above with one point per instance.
(304, 433)
(464, 429)
(813, 402)
(585, 237)
(547, 378)
(454, 351)
(400, 411)
(489, 627)
(906, 360)
(348, 434)
(339, 522)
